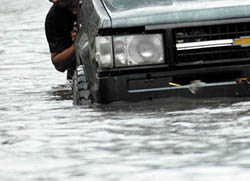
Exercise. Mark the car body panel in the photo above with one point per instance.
(129, 14)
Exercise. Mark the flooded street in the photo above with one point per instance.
(43, 137)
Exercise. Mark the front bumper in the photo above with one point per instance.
(155, 85)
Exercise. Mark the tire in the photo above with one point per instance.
(80, 87)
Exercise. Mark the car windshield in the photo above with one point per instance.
(120, 5)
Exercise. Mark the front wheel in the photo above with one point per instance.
(80, 87)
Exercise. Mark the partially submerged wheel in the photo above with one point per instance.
(80, 87)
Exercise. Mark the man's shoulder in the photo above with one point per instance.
(56, 13)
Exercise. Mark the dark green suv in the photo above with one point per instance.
(132, 50)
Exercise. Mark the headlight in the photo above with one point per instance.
(104, 55)
(138, 50)
(130, 50)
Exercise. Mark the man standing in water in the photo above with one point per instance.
(60, 33)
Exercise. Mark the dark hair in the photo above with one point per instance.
(64, 3)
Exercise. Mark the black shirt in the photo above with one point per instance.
(58, 27)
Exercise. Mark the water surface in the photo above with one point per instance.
(43, 137)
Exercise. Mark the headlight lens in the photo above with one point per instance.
(138, 50)
(104, 55)
(130, 50)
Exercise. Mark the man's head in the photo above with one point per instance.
(70, 4)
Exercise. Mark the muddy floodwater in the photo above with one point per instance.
(43, 137)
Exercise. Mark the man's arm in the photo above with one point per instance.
(62, 60)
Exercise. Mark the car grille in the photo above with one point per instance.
(221, 51)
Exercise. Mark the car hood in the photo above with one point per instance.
(129, 13)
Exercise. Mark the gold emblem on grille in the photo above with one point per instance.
(242, 41)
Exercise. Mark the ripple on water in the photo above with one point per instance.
(44, 137)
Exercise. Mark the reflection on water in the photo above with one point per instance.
(44, 137)
(61, 92)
